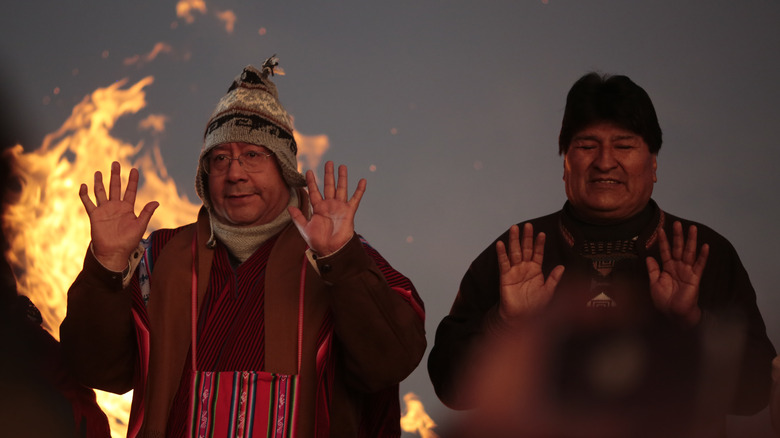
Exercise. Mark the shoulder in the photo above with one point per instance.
(158, 240)
(723, 262)
(485, 266)
(384, 266)
(164, 235)
(547, 224)
(705, 234)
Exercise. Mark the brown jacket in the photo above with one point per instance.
(378, 330)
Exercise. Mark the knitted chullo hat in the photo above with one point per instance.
(250, 112)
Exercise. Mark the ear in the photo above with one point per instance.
(655, 167)
(565, 166)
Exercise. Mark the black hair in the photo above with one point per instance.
(598, 98)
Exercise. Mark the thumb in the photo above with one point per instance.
(146, 214)
(653, 270)
(298, 219)
(555, 276)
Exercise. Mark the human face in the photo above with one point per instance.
(609, 173)
(247, 199)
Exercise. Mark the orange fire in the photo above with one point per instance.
(416, 419)
(184, 9)
(48, 230)
(228, 18)
(140, 60)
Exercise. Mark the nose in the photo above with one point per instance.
(605, 159)
(236, 171)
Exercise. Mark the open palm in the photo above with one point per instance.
(674, 286)
(332, 223)
(524, 290)
(114, 227)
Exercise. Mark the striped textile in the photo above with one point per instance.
(243, 404)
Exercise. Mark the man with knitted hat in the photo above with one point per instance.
(265, 316)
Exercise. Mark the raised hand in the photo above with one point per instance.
(332, 223)
(675, 289)
(524, 290)
(115, 229)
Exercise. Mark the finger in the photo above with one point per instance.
(677, 240)
(514, 245)
(89, 206)
(329, 187)
(503, 260)
(701, 260)
(132, 186)
(341, 185)
(115, 182)
(298, 218)
(100, 190)
(314, 191)
(538, 255)
(663, 247)
(146, 213)
(653, 270)
(527, 247)
(358, 195)
(554, 278)
(689, 253)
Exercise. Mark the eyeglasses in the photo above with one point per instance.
(250, 161)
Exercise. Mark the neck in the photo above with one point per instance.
(242, 242)
(606, 230)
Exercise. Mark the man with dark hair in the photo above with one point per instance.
(610, 317)
(268, 316)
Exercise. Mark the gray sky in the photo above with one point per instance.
(457, 104)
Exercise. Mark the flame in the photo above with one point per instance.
(416, 419)
(184, 9)
(229, 18)
(47, 227)
(140, 60)
(310, 147)
(154, 122)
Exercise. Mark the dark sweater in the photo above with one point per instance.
(603, 302)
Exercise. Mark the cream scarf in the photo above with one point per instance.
(242, 242)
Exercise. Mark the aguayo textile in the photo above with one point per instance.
(242, 404)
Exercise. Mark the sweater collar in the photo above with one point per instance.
(642, 227)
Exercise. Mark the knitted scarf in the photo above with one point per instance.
(242, 242)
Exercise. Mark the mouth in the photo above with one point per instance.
(605, 181)
(239, 196)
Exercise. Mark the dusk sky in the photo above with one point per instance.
(450, 109)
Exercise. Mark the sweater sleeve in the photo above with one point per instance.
(736, 350)
(473, 314)
(97, 334)
(377, 314)
(737, 311)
